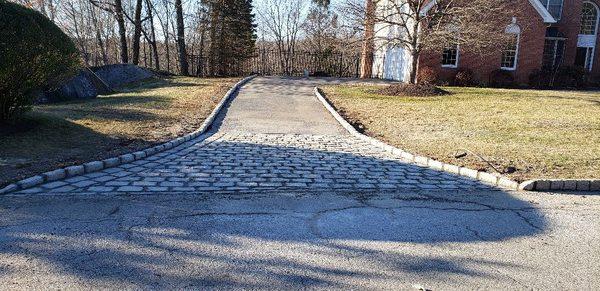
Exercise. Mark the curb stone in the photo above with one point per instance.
(95, 166)
(488, 178)
(586, 185)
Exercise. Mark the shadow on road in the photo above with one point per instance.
(270, 239)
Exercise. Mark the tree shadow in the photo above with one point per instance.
(383, 229)
(45, 142)
(294, 237)
(156, 83)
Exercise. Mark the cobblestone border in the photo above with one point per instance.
(95, 166)
(488, 178)
(561, 184)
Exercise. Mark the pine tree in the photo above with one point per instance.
(232, 35)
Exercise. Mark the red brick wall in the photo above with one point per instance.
(569, 25)
(531, 48)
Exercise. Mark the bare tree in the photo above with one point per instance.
(282, 19)
(183, 62)
(116, 8)
(152, 37)
(137, 34)
(320, 29)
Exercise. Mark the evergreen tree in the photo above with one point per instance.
(232, 35)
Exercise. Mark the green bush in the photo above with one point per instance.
(502, 79)
(564, 77)
(34, 55)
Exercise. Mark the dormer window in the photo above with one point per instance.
(555, 7)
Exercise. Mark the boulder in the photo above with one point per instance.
(121, 74)
(90, 83)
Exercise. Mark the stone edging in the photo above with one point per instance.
(485, 177)
(561, 184)
(496, 180)
(95, 166)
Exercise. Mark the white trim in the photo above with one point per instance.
(455, 66)
(594, 36)
(514, 67)
(597, 18)
(593, 55)
(427, 7)
(541, 9)
(562, 6)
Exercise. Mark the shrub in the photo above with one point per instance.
(464, 78)
(540, 79)
(563, 77)
(427, 75)
(502, 79)
(418, 90)
(34, 55)
(571, 77)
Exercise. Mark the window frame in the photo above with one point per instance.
(546, 4)
(450, 66)
(597, 18)
(517, 47)
(557, 42)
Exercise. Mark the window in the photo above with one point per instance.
(510, 53)
(589, 19)
(450, 57)
(555, 7)
(554, 49)
(584, 57)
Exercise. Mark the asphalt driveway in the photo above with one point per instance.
(280, 197)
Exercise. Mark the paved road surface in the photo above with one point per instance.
(279, 196)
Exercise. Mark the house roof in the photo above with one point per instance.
(546, 16)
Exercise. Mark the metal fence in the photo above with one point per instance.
(271, 63)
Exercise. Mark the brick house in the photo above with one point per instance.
(547, 34)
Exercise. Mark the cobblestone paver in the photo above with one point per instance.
(240, 159)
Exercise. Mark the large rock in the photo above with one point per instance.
(97, 81)
(85, 85)
(121, 74)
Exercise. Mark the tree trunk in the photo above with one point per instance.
(200, 69)
(137, 32)
(368, 47)
(415, 50)
(183, 62)
(414, 69)
(213, 50)
(122, 33)
(99, 40)
(153, 36)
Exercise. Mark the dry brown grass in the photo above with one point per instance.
(544, 134)
(140, 115)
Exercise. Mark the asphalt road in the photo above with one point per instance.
(491, 240)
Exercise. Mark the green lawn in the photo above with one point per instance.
(544, 134)
(140, 115)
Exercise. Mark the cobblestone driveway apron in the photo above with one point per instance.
(274, 135)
